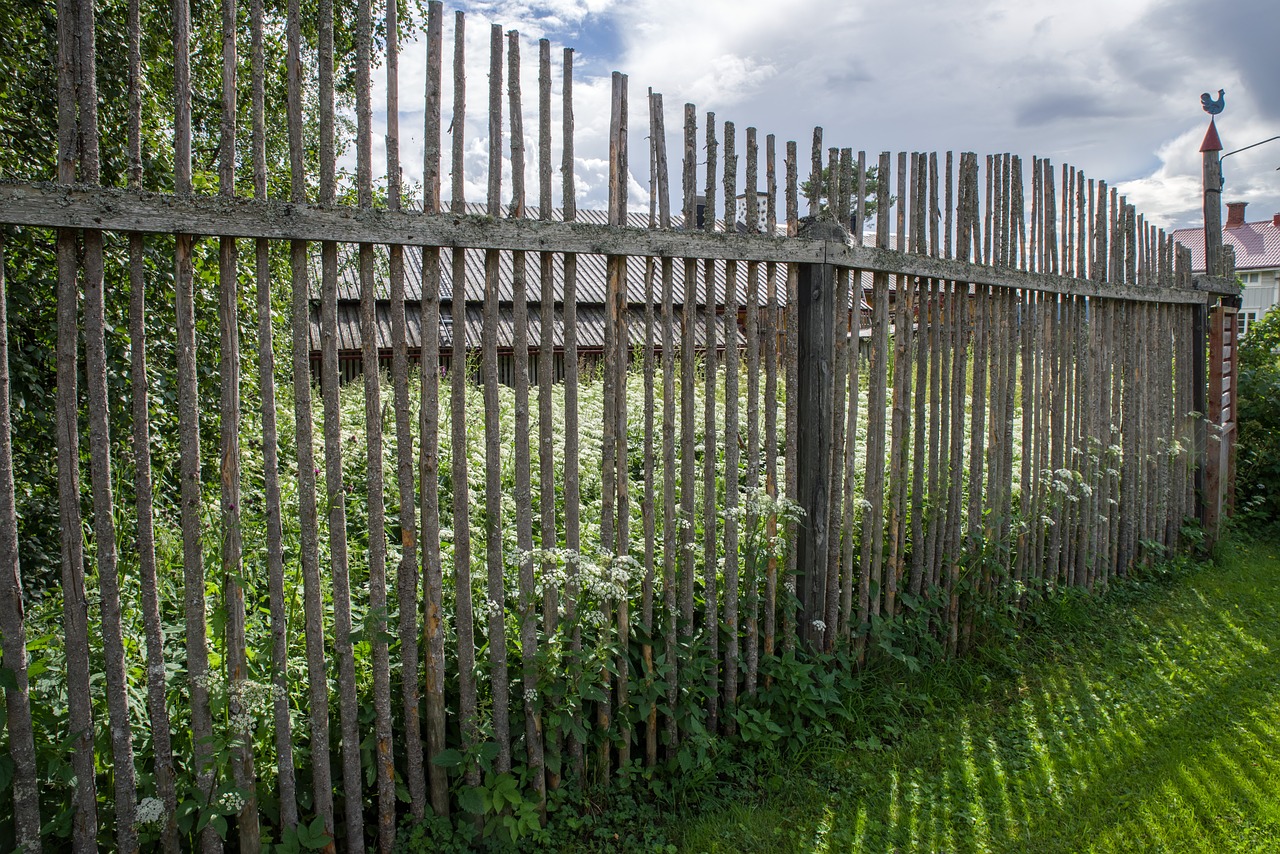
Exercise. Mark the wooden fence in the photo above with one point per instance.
(1024, 419)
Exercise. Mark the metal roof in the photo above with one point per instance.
(590, 285)
(590, 326)
(1256, 244)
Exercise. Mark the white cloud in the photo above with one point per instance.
(1111, 87)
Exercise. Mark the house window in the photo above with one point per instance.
(1251, 278)
(1247, 319)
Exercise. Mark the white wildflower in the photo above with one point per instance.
(494, 609)
(149, 811)
(819, 626)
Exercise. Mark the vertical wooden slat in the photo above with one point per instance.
(961, 309)
(407, 569)
(936, 441)
(845, 623)
(348, 707)
(710, 506)
(429, 475)
(877, 371)
(288, 795)
(752, 209)
(689, 284)
(647, 501)
(458, 381)
(946, 344)
(815, 174)
(546, 376)
(189, 437)
(534, 751)
(670, 521)
(496, 588)
(13, 633)
(898, 450)
(790, 358)
(772, 365)
(308, 470)
(242, 770)
(104, 529)
(841, 171)
(572, 534)
(921, 403)
(609, 440)
(732, 450)
(620, 176)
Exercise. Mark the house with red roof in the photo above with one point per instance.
(1257, 251)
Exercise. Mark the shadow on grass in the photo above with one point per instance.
(1158, 736)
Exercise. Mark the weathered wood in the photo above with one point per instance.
(434, 670)
(790, 357)
(710, 463)
(842, 180)
(671, 527)
(904, 299)
(496, 595)
(102, 489)
(920, 407)
(340, 580)
(647, 508)
(458, 382)
(528, 603)
(242, 768)
(849, 621)
(752, 637)
(546, 377)
(572, 522)
(309, 537)
(194, 609)
(13, 632)
(688, 380)
(732, 450)
(283, 724)
(846, 613)
(872, 566)
(933, 318)
(618, 309)
(815, 397)
(384, 764)
(119, 210)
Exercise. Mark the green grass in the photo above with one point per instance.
(1144, 720)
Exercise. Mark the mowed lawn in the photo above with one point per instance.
(1148, 720)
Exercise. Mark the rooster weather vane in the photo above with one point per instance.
(1211, 106)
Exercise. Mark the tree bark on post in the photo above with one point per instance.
(815, 402)
(1212, 170)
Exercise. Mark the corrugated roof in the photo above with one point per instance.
(590, 286)
(1256, 244)
(590, 327)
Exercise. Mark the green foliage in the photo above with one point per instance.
(1258, 451)
(868, 203)
(1142, 720)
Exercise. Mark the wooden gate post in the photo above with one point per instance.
(1212, 190)
(815, 402)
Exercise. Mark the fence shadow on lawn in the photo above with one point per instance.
(1154, 741)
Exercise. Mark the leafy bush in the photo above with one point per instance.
(1258, 454)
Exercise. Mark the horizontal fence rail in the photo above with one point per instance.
(460, 577)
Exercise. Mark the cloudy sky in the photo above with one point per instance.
(1109, 86)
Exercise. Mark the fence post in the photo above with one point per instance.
(815, 408)
(1212, 189)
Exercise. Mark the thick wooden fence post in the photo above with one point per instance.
(1212, 188)
(815, 409)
